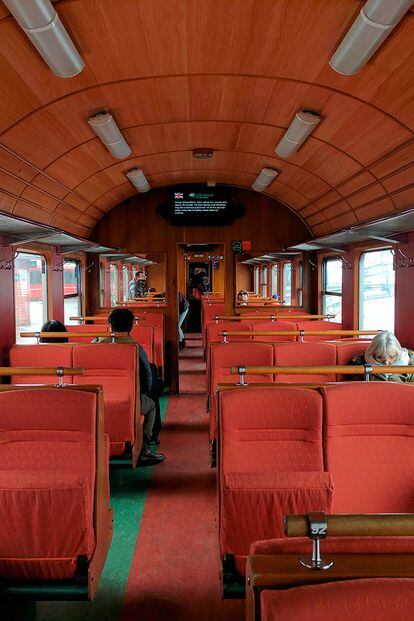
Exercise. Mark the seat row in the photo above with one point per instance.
(223, 356)
(113, 366)
(289, 450)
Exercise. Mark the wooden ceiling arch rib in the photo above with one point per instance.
(179, 74)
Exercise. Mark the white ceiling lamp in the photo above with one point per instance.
(42, 25)
(138, 180)
(374, 23)
(299, 130)
(108, 132)
(264, 179)
(211, 184)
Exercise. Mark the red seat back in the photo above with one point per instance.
(214, 328)
(43, 355)
(305, 354)
(89, 328)
(310, 326)
(271, 326)
(143, 334)
(369, 446)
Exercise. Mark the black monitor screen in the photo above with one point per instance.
(195, 206)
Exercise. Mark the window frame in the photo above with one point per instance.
(324, 291)
(46, 256)
(282, 277)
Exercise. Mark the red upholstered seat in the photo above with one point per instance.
(346, 351)
(89, 328)
(143, 334)
(305, 354)
(336, 545)
(214, 328)
(380, 599)
(114, 366)
(369, 446)
(157, 321)
(270, 460)
(281, 325)
(223, 357)
(44, 355)
(47, 478)
(309, 326)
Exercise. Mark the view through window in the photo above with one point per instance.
(30, 294)
(332, 288)
(72, 290)
(376, 291)
(287, 283)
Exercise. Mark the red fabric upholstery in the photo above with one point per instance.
(380, 599)
(306, 354)
(369, 446)
(270, 430)
(310, 326)
(47, 477)
(208, 311)
(346, 351)
(44, 355)
(270, 460)
(114, 366)
(94, 328)
(143, 334)
(223, 357)
(214, 328)
(157, 321)
(271, 326)
(253, 503)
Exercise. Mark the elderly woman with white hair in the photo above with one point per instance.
(386, 350)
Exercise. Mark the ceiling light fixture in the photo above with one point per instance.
(211, 184)
(375, 22)
(42, 25)
(299, 130)
(108, 132)
(264, 179)
(203, 154)
(138, 180)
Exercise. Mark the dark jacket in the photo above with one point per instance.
(400, 378)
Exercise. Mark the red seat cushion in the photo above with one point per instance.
(143, 334)
(369, 446)
(305, 354)
(214, 328)
(336, 545)
(43, 355)
(379, 599)
(346, 351)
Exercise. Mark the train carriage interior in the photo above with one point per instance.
(206, 292)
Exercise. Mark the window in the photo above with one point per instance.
(256, 280)
(287, 283)
(125, 283)
(376, 290)
(101, 284)
(332, 288)
(30, 294)
(114, 284)
(275, 276)
(300, 283)
(72, 290)
(264, 282)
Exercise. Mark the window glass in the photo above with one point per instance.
(114, 284)
(376, 291)
(256, 279)
(332, 288)
(102, 284)
(264, 281)
(125, 282)
(275, 274)
(72, 290)
(300, 283)
(30, 294)
(287, 283)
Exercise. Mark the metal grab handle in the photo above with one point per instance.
(242, 377)
(318, 529)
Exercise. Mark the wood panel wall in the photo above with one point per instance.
(135, 226)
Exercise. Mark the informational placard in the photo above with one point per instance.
(198, 203)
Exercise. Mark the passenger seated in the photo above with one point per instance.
(122, 320)
(242, 298)
(53, 326)
(385, 349)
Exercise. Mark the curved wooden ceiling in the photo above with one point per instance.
(223, 74)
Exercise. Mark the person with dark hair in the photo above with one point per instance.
(122, 320)
(53, 326)
(138, 285)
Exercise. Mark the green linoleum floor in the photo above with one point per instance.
(128, 495)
